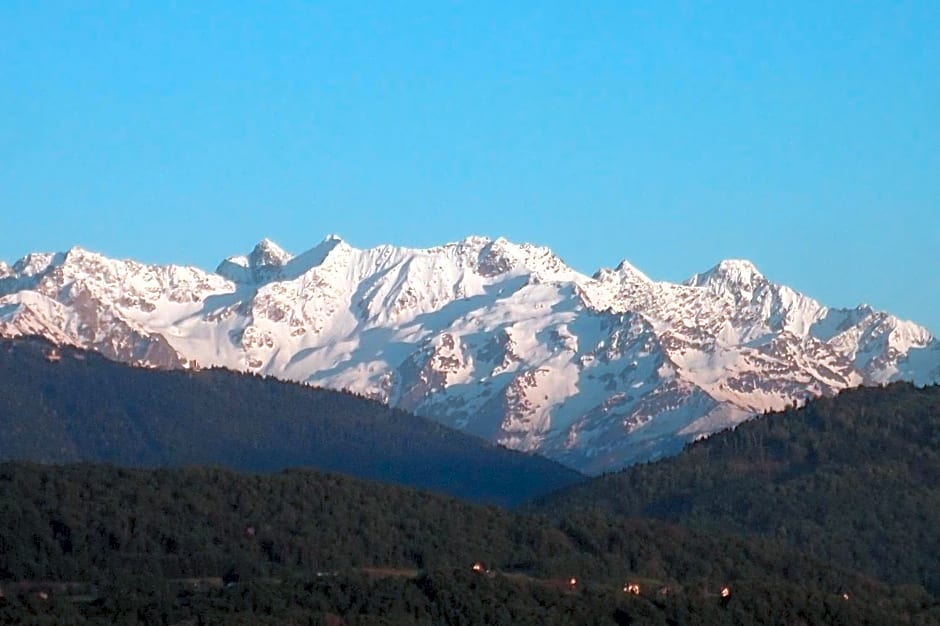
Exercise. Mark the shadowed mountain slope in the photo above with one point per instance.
(60, 405)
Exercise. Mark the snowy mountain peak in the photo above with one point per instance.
(502, 256)
(315, 256)
(263, 263)
(475, 241)
(728, 274)
(36, 263)
(624, 272)
(268, 254)
(76, 256)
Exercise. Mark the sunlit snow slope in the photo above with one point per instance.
(497, 339)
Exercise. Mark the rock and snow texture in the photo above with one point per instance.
(497, 339)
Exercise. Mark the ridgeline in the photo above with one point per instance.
(854, 480)
(62, 405)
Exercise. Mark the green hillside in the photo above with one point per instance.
(163, 546)
(854, 480)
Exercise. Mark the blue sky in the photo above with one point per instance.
(804, 136)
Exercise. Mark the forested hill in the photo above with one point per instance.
(116, 545)
(65, 405)
(854, 479)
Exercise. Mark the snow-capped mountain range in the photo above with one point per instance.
(498, 339)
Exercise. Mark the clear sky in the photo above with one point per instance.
(804, 136)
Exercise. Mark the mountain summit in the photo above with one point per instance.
(499, 339)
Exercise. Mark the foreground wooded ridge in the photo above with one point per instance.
(161, 546)
(853, 479)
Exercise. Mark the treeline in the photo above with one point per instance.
(134, 535)
(62, 405)
(853, 479)
(456, 597)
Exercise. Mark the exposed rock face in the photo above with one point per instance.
(497, 339)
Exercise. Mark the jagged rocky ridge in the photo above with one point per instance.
(497, 339)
